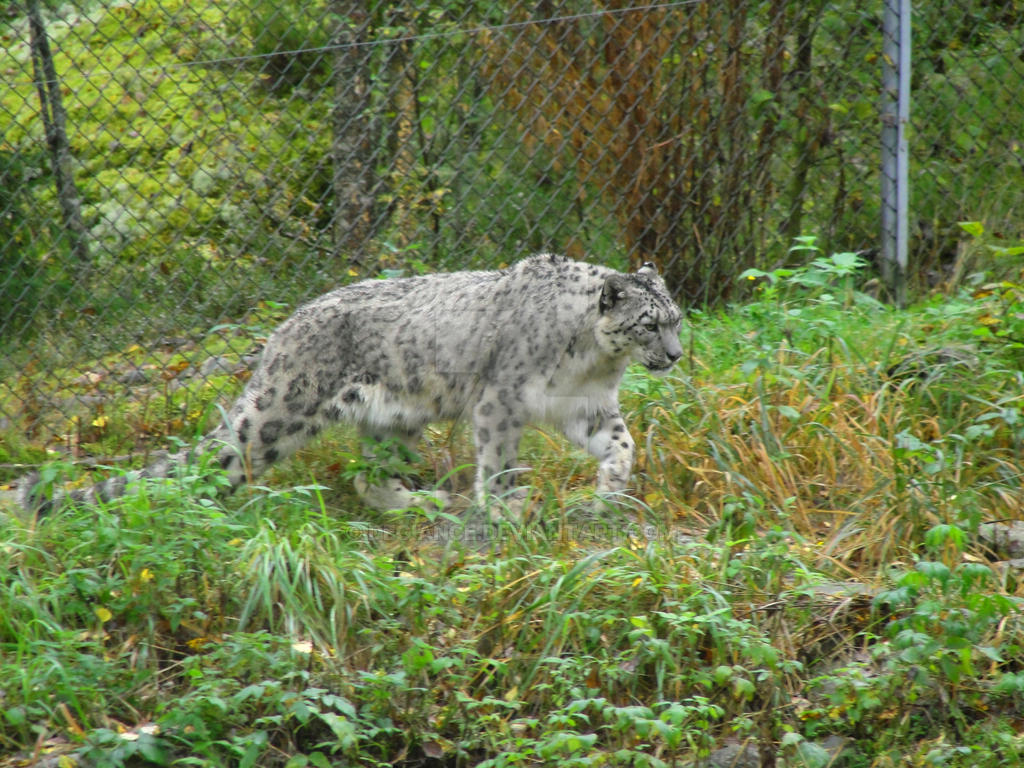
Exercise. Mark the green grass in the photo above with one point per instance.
(809, 482)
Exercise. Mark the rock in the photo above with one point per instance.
(808, 754)
(735, 755)
(842, 589)
(133, 376)
(1006, 540)
(218, 364)
(1009, 572)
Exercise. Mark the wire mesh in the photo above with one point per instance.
(177, 174)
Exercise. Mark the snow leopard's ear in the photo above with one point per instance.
(648, 268)
(614, 291)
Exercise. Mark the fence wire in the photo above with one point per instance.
(176, 174)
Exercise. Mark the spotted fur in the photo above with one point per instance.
(545, 341)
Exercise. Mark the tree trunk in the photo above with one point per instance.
(352, 145)
(55, 125)
(809, 136)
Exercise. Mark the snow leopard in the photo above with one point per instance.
(544, 341)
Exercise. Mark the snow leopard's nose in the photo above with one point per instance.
(673, 349)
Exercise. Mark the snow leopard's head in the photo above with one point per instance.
(639, 320)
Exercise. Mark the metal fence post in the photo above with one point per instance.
(895, 116)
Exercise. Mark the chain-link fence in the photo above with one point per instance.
(176, 173)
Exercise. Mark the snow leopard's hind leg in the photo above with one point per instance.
(269, 422)
(384, 487)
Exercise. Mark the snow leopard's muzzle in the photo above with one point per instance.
(661, 361)
(661, 367)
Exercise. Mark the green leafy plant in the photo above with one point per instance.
(821, 276)
(378, 461)
(945, 622)
(1000, 302)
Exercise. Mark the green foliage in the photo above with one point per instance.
(949, 612)
(165, 198)
(960, 65)
(941, 632)
(286, 39)
(19, 283)
(381, 637)
(1000, 303)
(377, 461)
(817, 280)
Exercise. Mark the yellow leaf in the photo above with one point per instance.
(511, 693)
(103, 614)
(638, 581)
(146, 575)
(100, 422)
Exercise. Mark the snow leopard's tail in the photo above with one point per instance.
(38, 496)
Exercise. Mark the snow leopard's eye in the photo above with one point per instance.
(650, 327)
